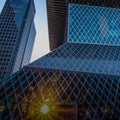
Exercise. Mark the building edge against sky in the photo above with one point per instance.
(17, 34)
(41, 26)
(79, 79)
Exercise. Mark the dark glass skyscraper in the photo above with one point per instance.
(17, 34)
(80, 78)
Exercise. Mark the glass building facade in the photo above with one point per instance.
(17, 31)
(94, 25)
(80, 80)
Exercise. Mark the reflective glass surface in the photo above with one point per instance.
(93, 24)
(84, 75)
(23, 94)
(103, 59)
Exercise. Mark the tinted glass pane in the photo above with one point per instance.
(93, 24)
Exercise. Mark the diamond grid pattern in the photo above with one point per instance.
(102, 59)
(93, 24)
(96, 96)
(57, 11)
(85, 75)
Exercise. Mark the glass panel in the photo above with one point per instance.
(93, 24)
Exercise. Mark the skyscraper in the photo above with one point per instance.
(17, 34)
(80, 78)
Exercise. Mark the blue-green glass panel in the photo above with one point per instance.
(91, 58)
(93, 24)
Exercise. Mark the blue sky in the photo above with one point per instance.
(41, 45)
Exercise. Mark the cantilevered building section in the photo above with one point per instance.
(79, 79)
(58, 12)
(17, 31)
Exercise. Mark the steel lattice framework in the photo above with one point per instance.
(57, 11)
(97, 95)
(77, 80)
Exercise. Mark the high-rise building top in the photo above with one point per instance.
(16, 25)
(57, 12)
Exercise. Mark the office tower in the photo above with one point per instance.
(80, 79)
(17, 34)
